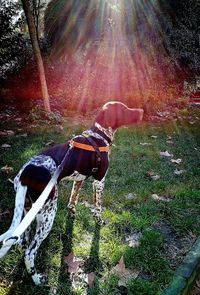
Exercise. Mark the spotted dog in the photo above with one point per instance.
(87, 155)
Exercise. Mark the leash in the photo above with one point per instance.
(36, 207)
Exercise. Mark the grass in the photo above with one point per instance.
(102, 248)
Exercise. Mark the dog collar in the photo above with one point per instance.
(106, 133)
(88, 147)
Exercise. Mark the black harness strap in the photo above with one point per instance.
(97, 152)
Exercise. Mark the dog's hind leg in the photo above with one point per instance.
(25, 237)
(18, 211)
(44, 220)
(74, 197)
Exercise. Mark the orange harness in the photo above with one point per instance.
(88, 147)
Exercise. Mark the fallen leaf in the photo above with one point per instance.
(192, 122)
(73, 267)
(159, 198)
(7, 133)
(22, 135)
(5, 146)
(129, 275)
(72, 262)
(120, 267)
(179, 172)
(176, 161)
(133, 240)
(7, 169)
(10, 132)
(69, 259)
(155, 177)
(154, 136)
(170, 142)
(130, 196)
(166, 154)
(50, 142)
(151, 175)
(90, 279)
(169, 137)
(145, 143)
(18, 119)
(124, 273)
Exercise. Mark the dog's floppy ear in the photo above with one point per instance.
(106, 119)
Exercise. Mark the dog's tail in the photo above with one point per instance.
(18, 212)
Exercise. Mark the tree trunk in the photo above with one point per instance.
(37, 53)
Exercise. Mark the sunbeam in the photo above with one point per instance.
(117, 51)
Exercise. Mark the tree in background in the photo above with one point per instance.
(37, 54)
(14, 48)
(181, 34)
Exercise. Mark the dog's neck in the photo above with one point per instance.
(106, 133)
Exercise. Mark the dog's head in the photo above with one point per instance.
(116, 114)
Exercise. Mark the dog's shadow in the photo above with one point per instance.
(93, 265)
(64, 282)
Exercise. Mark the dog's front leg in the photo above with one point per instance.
(74, 197)
(98, 187)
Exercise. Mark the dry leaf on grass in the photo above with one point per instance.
(90, 279)
(133, 240)
(7, 169)
(145, 143)
(124, 273)
(169, 137)
(166, 154)
(130, 196)
(7, 133)
(159, 198)
(155, 177)
(22, 135)
(151, 175)
(10, 132)
(72, 262)
(51, 142)
(5, 146)
(176, 161)
(179, 172)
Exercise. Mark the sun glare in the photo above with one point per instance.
(121, 58)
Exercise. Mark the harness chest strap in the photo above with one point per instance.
(88, 147)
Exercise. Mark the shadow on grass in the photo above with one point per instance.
(64, 282)
(93, 264)
(22, 282)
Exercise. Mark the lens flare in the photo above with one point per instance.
(107, 50)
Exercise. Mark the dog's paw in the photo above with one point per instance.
(39, 279)
(71, 211)
(97, 215)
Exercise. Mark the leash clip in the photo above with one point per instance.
(16, 238)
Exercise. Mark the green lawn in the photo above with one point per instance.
(165, 227)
